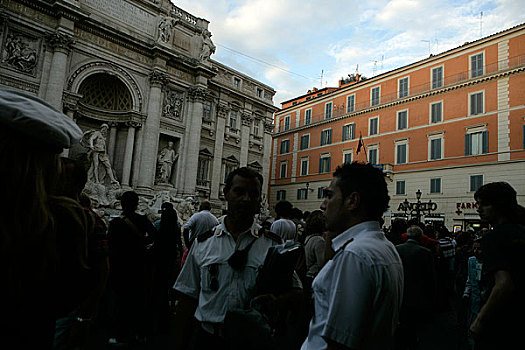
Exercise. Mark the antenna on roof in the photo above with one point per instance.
(375, 67)
(382, 58)
(481, 24)
(322, 71)
(357, 69)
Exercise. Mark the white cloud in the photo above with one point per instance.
(307, 36)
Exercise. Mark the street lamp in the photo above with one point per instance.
(418, 205)
(307, 187)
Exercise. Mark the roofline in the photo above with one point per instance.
(425, 60)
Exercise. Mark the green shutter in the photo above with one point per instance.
(468, 144)
(485, 141)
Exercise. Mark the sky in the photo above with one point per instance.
(295, 45)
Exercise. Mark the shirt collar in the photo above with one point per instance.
(253, 230)
(354, 232)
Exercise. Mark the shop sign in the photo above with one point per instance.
(465, 205)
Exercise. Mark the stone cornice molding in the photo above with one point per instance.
(158, 78)
(59, 41)
(133, 124)
(119, 117)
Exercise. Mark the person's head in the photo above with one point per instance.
(283, 210)
(414, 232)
(477, 250)
(170, 144)
(205, 205)
(399, 226)
(296, 214)
(129, 201)
(357, 193)
(243, 193)
(496, 202)
(315, 223)
(73, 178)
(104, 128)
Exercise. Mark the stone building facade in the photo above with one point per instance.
(177, 121)
(440, 127)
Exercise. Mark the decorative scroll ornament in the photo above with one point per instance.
(246, 119)
(223, 110)
(158, 78)
(60, 41)
(268, 127)
(198, 94)
(173, 103)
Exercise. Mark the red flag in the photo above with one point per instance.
(360, 145)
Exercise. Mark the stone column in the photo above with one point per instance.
(267, 144)
(112, 140)
(137, 155)
(128, 153)
(61, 44)
(150, 136)
(246, 123)
(197, 96)
(216, 177)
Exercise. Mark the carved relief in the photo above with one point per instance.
(20, 53)
(223, 110)
(268, 127)
(173, 103)
(165, 29)
(246, 119)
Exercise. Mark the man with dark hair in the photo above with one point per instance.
(358, 293)
(500, 321)
(222, 266)
(200, 222)
(130, 235)
(419, 292)
(284, 226)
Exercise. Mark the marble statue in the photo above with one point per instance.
(165, 160)
(95, 141)
(186, 209)
(166, 25)
(208, 48)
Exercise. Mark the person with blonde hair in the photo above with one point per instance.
(33, 249)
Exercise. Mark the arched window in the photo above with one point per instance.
(105, 91)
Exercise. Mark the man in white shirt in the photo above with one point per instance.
(199, 223)
(359, 291)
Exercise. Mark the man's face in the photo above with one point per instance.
(170, 144)
(243, 197)
(477, 250)
(487, 212)
(334, 210)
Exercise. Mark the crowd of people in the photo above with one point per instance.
(333, 278)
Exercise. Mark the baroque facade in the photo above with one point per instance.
(440, 127)
(176, 121)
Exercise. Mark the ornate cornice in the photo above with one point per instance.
(19, 84)
(60, 41)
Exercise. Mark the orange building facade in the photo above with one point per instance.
(444, 126)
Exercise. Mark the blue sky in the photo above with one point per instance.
(299, 39)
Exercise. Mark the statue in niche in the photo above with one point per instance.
(18, 54)
(166, 25)
(95, 141)
(165, 160)
(208, 48)
(173, 105)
